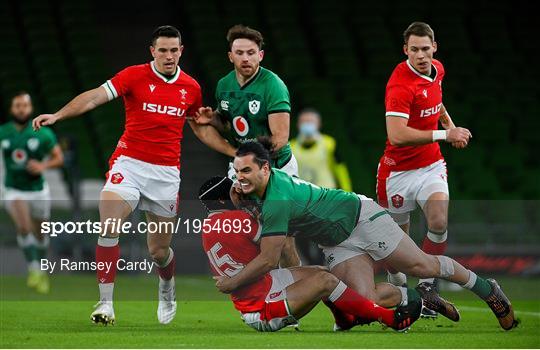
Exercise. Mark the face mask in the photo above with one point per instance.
(308, 129)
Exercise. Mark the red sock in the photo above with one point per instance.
(348, 301)
(343, 320)
(166, 272)
(434, 244)
(107, 255)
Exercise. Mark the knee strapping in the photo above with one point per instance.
(447, 265)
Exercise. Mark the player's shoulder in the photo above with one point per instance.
(438, 65)
(185, 78)
(227, 80)
(266, 75)
(402, 76)
(5, 129)
(280, 185)
(137, 68)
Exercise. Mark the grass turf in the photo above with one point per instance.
(206, 319)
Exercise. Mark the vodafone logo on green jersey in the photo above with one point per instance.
(19, 156)
(240, 125)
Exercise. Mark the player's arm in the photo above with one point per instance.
(212, 138)
(81, 104)
(268, 259)
(207, 116)
(400, 134)
(289, 254)
(279, 127)
(445, 119)
(55, 160)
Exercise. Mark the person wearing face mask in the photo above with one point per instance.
(27, 154)
(318, 161)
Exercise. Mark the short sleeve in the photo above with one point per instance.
(197, 102)
(277, 96)
(398, 101)
(49, 140)
(119, 84)
(274, 219)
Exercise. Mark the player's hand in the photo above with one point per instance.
(459, 145)
(43, 119)
(223, 284)
(458, 134)
(204, 115)
(34, 167)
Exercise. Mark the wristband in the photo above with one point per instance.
(439, 135)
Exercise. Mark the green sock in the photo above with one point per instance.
(412, 294)
(28, 247)
(481, 288)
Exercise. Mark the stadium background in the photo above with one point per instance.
(335, 56)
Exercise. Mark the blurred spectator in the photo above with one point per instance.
(318, 160)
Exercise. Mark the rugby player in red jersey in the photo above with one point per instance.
(283, 295)
(412, 169)
(145, 167)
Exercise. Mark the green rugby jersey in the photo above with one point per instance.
(20, 146)
(294, 206)
(247, 107)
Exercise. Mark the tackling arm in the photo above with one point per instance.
(267, 260)
(211, 137)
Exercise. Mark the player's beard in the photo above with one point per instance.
(21, 121)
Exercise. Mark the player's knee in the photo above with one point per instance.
(326, 280)
(438, 223)
(158, 254)
(424, 268)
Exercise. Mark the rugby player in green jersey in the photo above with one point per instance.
(27, 154)
(251, 101)
(353, 231)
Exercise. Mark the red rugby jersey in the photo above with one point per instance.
(418, 98)
(156, 110)
(229, 251)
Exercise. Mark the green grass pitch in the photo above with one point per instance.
(206, 319)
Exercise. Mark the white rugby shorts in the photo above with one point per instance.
(153, 187)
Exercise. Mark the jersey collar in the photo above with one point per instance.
(162, 77)
(423, 75)
(252, 79)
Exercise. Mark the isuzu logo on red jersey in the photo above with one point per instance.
(430, 111)
(240, 125)
(116, 178)
(169, 110)
(397, 201)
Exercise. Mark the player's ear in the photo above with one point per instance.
(261, 55)
(434, 46)
(152, 51)
(405, 49)
(181, 50)
(230, 56)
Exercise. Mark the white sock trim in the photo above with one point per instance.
(437, 237)
(107, 242)
(404, 296)
(106, 292)
(397, 279)
(471, 282)
(337, 292)
(169, 259)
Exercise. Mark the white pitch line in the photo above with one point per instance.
(472, 308)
